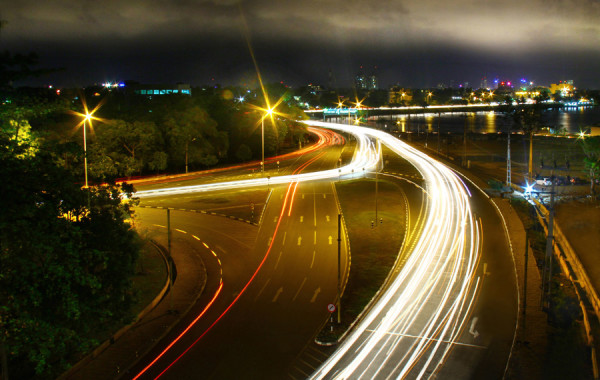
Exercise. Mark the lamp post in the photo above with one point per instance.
(268, 112)
(87, 118)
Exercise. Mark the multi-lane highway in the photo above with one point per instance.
(273, 283)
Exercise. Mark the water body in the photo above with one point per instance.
(571, 120)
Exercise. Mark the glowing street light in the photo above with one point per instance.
(87, 116)
(268, 112)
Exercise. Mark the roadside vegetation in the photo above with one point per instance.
(567, 355)
(374, 245)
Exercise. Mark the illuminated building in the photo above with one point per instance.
(161, 89)
(566, 88)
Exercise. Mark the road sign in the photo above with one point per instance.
(331, 308)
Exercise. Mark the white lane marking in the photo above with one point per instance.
(284, 236)
(275, 220)
(279, 291)
(278, 258)
(301, 219)
(313, 259)
(324, 196)
(314, 297)
(299, 240)
(261, 289)
(300, 288)
(315, 237)
(327, 217)
(330, 240)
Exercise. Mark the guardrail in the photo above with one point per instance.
(574, 270)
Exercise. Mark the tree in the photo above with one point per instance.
(192, 128)
(591, 149)
(65, 269)
(131, 145)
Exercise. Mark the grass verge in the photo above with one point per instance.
(373, 249)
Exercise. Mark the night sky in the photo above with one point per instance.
(412, 43)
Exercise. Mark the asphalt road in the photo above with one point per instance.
(277, 280)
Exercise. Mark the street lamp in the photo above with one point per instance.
(88, 118)
(268, 112)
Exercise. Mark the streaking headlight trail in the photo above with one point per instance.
(411, 329)
(366, 158)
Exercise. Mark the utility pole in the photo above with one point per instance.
(465, 141)
(439, 116)
(547, 275)
(339, 268)
(525, 279)
(508, 160)
(170, 272)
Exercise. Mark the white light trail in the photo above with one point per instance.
(366, 158)
(410, 330)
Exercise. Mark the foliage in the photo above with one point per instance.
(591, 149)
(65, 268)
(191, 134)
(129, 145)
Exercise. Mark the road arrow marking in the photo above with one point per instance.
(299, 240)
(314, 297)
(472, 330)
(277, 294)
(330, 240)
(485, 272)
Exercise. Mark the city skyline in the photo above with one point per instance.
(414, 44)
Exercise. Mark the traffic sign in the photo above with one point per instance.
(331, 308)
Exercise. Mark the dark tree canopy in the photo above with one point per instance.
(64, 269)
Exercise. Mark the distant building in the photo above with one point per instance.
(566, 88)
(366, 82)
(504, 87)
(160, 89)
(484, 83)
(360, 80)
(373, 83)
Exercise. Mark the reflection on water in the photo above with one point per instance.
(570, 120)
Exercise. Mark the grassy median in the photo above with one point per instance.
(374, 248)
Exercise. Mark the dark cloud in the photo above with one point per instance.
(411, 42)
